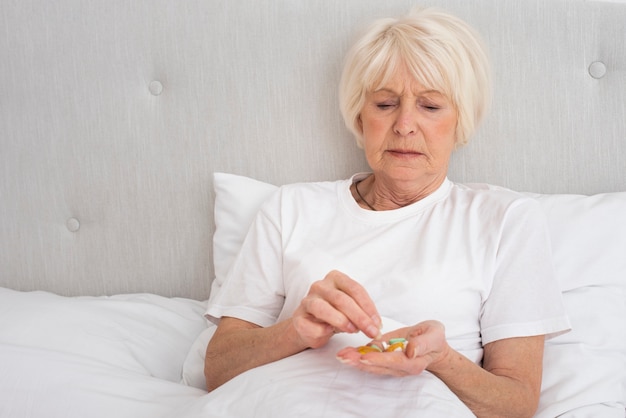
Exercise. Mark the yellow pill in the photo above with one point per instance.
(364, 349)
(399, 346)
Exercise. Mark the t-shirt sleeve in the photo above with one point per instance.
(525, 299)
(253, 290)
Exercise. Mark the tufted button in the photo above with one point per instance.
(155, 87)
(72, 225)
(597, 69)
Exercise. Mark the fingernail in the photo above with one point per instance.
(415, 352)
(373, 332)
(377, 321)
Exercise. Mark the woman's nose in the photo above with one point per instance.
(406, 122)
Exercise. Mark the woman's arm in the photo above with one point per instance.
(508, 384)
(335, 304)
(238, 346)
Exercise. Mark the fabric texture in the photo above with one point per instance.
(315, 384)
(234, 195)
(141, 333)
(37, 382)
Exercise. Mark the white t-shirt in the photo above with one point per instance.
(479, 261)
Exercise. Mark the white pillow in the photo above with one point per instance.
(588, 238)
(143, 333)
(584, 367)
(237, 200)
(588, 365)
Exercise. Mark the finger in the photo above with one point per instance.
(313, 333)
(349, 355)
(357, 292)
(324, 312)
(394, 363)
(425, 339)
(351, 298)
(390, 364)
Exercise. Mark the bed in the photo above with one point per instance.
(138, 139)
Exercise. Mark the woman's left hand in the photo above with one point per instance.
(426, 345)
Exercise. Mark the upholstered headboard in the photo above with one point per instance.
(114, 114)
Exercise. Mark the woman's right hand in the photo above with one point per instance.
(335, 304)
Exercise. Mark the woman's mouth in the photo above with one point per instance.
(404, 153)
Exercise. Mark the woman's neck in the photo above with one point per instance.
(374, 193)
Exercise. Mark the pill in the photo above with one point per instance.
(399, 346)
(364, 349)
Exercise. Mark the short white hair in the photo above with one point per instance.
(441, 51)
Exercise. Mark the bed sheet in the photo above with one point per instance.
(41, 383)
(144, 333)
(315, 384)
(115, 356)
(36, 382)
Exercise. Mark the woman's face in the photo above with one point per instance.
(409, 131)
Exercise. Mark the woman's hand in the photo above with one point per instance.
(335, 304)
(426, 345)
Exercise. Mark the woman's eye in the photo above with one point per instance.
(384, 106)
(431, 107)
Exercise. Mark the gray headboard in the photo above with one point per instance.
(114, 114)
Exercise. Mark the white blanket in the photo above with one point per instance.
(37, 382)
(125, 356)
(315, 384)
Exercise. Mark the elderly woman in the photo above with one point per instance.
(470, 268)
